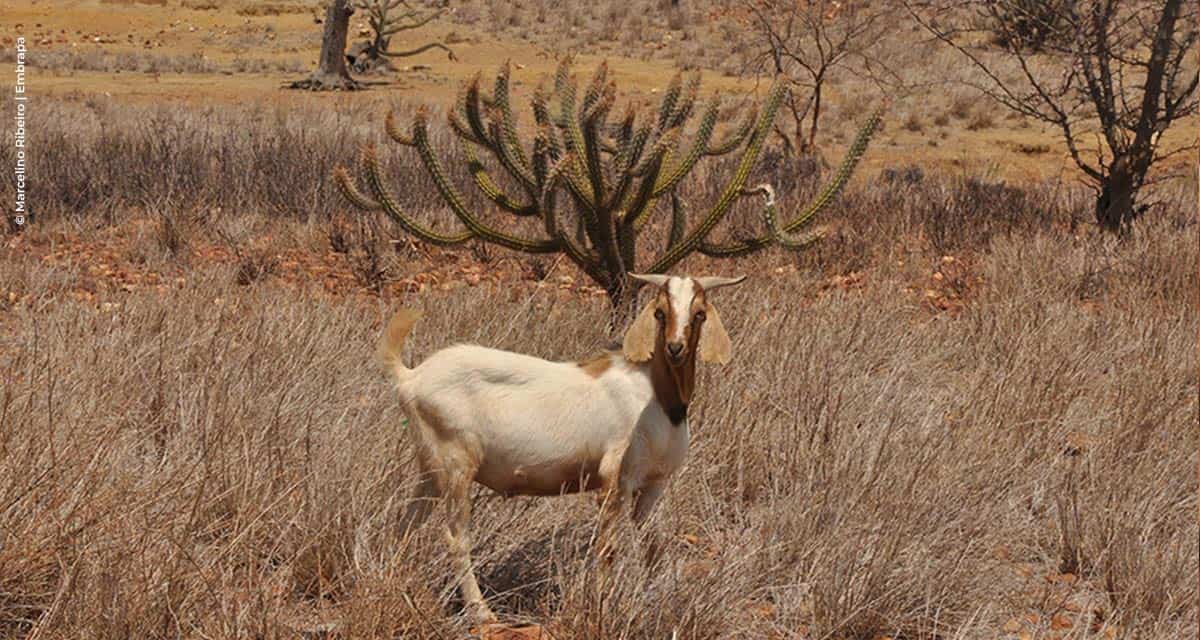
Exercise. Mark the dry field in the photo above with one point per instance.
(965, 414)
(221, 52)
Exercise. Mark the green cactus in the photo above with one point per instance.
(612, 174)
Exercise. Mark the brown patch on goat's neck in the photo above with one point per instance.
(595, 367)
(673, 385)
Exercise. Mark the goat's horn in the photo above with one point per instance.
(655, 279)
(716, 282)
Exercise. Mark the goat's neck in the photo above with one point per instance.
(672, 384)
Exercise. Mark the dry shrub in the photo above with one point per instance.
(962, 106)
(257, 9)
(97, 59)
(980, 120)
(200, 5)
(914, 123)
(228, 462)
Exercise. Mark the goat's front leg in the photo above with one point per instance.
(642, 508)
(611, 502)
(614, 494)
(646, 500)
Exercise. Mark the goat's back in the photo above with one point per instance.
(523, 412)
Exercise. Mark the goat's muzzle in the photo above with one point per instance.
(675, 353)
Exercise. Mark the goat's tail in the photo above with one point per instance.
(392, 342)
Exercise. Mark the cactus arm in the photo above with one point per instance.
(626, 159)
(626, 246)
(824, 198)
(678, 220)
(470, 105)
(543, 161)
(589, 205)
(778, 234)
(507, 155)
(553, 174)
(667, 107)
(393, 129)
(545, 123)
(490, 189)
(350, 191)
(452, 198)
(683, 110)
(586, 261)
(734, 249)
(593, 124)
(639, 209)
(490, 137)
(576, 185)
(688, 162)
(573, 134)
(595, 89)
(732, 191)
(734, 137)
(853, 155)
(390, 206)
(624, 132)
(508, 122)
(461, 129)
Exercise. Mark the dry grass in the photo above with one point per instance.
(961, 412)
(95, 59)
(94, 48)
(225, 463)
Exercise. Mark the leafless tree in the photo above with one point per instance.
(331, 73)
(387, 18)
(1117, 71)
(804, 42)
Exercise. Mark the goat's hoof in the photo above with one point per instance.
(480, 613)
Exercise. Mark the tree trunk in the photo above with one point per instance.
(816, 113)
(1114, 205)
(331, 73)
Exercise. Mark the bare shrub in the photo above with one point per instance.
(913, 122)
(227, 462)
(980, 120)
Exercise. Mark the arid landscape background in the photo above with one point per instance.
(965, 413)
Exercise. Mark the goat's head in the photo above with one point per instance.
(680, 323)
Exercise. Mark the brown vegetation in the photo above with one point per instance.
(962, 414)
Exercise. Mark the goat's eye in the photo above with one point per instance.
(700, 315)
(659, 315)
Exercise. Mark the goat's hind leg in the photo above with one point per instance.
(420, 504)
(447, 469)
(457, 495)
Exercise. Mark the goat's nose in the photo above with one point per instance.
(675, 348)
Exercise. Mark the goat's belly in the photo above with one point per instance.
(541, 479)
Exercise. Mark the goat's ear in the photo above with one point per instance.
(639, 340)
(714, 346)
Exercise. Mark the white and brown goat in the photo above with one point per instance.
(521, 425)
